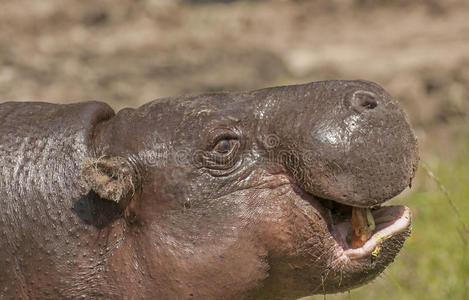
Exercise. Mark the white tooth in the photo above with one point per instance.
(370, 220)
(363, 225)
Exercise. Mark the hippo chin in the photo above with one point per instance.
(270, 194)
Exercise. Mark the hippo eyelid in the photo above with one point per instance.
(220, 134)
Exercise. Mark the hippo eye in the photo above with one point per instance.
(224, 145)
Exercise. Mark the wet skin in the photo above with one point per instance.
(216, 196)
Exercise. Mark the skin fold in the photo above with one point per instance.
(215, 196)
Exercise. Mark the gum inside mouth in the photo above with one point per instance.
(360, 231)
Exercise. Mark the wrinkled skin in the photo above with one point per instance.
(225, 197)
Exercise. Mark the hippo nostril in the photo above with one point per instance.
(363, 100)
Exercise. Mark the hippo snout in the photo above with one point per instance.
(360, 149)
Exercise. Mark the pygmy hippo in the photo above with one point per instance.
(270, 194)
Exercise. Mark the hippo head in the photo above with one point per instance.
(275, 193)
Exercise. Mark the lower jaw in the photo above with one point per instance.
(355, 267)
(397, 219)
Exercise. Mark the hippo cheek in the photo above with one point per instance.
(292, 227)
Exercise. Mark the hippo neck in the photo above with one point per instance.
(41, 148)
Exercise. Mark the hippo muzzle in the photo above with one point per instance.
(349, 146)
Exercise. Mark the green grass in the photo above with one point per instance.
(434, 263)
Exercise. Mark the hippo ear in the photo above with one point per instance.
(112, 178)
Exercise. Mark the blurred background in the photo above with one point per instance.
(128, 52)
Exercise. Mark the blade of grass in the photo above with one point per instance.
(463, 230)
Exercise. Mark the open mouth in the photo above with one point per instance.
(359, 231)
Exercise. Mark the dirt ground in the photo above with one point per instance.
(127, 52)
